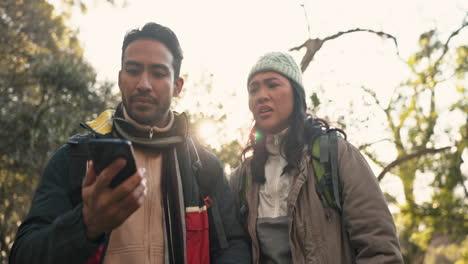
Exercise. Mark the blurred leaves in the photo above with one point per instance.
(47, 89)
(413, 114)
(462, 61)
(315, 100)
(423, 143)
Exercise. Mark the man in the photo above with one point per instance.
(158, 215)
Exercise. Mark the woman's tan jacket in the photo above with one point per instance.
(315, 232)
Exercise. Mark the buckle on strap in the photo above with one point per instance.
(208, 201)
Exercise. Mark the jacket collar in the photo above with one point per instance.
(102, 125)
(148, 129)
(114, 121)
(273, 142)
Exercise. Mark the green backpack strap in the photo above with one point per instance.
(325, 165)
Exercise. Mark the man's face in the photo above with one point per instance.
(147, 82)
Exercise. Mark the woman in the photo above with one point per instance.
(286, 219)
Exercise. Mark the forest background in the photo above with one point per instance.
(393, 74)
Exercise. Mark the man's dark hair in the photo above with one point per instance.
(159, 33)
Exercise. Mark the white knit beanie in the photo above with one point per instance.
(279, 62)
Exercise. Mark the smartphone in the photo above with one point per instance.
(105, 150)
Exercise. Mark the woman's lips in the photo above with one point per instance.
(264, 112)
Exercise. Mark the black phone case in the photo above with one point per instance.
(104, 151)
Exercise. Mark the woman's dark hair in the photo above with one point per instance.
(160, 33)
(302, 130)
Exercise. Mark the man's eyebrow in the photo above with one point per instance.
(152, 66)
(132, 63)
(159, 66)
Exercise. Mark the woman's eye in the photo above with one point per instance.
(253, 90)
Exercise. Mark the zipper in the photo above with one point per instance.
(327, 214)
(277, 196)
(147, 207)
(276, 139)
(151, 133)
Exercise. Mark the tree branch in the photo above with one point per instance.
(401, 160)
(462, 181)
(314, 45)
(374, 96)
(373, 158)
(378, 33)
(365, 146)
(447, 42)
(307, 19)
(431, 119)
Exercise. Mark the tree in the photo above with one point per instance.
(413, 116)
(424, 144)
(47, 88)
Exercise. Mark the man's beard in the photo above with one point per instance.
(158, 115)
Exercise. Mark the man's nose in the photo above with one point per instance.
(143, 82)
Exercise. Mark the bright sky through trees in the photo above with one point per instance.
(222, 39)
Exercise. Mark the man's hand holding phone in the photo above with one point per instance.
(106, 207)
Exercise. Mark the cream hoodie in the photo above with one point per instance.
(274, 193)
(140, 239)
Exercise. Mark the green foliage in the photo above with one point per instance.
(462, 61)
(442, 251)
(82, 5)
(47, 88)
(230, 153)
(413, 115)
(315, 100)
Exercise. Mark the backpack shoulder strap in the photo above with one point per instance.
(207, 169)
(333, 139)
(77, 157)
(325, 165)
(205, 166)
(243, 185)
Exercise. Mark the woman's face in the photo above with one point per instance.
(271, 101)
